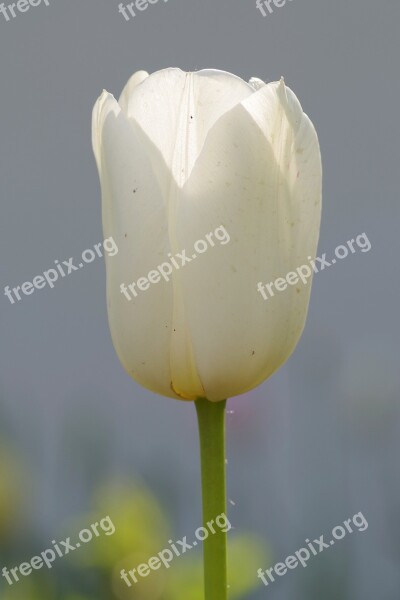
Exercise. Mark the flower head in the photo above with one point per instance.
(181, 157)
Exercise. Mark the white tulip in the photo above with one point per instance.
(179, 155)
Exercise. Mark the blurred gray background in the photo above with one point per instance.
(320, 440)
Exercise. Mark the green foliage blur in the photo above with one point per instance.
(92, 572)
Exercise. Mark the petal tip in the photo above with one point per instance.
(256, 83)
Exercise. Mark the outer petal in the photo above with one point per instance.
(134, 214)
(259, 175)
(177, 109)
(104, 105)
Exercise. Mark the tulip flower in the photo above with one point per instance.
(182, 155)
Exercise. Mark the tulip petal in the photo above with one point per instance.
(135, 216)
(259, 176)
(105, 104)
(177, 109)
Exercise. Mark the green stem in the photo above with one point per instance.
(211, 421)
